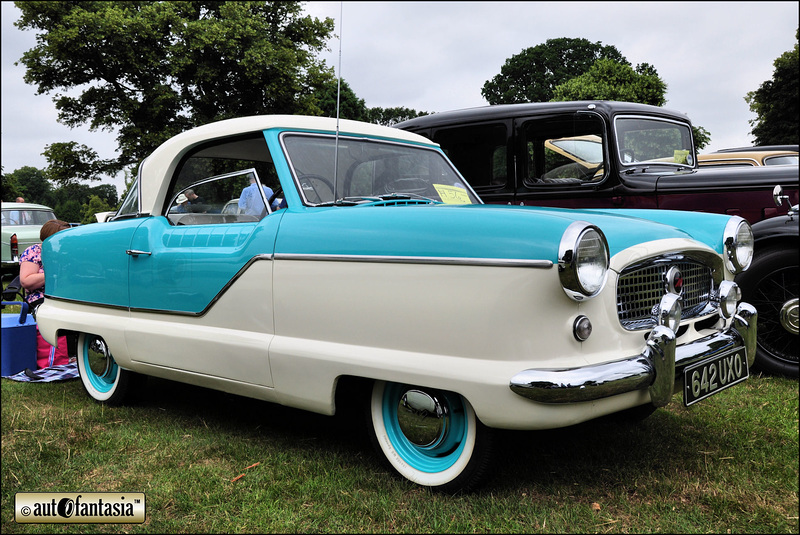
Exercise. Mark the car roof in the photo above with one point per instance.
(761, 148)
(755, 156)
(500, 111)
(24, 206)
(162, 160)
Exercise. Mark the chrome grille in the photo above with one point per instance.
(640, 289)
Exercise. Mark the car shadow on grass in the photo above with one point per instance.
(597, 455)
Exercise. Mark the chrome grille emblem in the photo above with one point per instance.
(674, 280)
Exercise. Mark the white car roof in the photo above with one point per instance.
(162, 162)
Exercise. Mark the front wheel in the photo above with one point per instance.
(771, 286)
(430, 437)
(102, 378)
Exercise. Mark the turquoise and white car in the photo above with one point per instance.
(387, 282)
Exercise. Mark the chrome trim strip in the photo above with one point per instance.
(444, 260)
(658, 367)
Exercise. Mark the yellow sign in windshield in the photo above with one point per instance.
(452, 194)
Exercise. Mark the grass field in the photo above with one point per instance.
(726, 465)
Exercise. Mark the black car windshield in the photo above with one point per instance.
(654, 141)
(370, 170)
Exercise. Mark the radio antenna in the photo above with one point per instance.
(338, 96)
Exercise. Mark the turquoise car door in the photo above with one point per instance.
(186, 285)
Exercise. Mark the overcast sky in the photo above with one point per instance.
(436, 56)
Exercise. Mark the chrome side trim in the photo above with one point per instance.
(657, 367)
(444, 260)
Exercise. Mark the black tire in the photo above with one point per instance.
(771, 286)
(446, 449)
(102, 378)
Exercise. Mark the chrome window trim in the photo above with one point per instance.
(618, 156)
(360, 137)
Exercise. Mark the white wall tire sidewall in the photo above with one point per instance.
(85, 374)
(403, 468)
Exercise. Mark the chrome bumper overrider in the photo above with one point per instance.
(656, 368)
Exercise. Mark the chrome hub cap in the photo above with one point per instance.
(789, 316)
(423, 419)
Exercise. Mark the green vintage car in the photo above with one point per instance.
(21, 224)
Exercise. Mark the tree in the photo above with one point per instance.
(775, 103)
(531, 75)
(392, 116)
(28, 182)
(350, 106)
(150, 69)
(95, 205)
(610, 80)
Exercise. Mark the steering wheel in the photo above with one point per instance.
(278, 190)
(307, 182)
(406, 185)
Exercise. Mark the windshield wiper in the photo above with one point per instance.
(646, 167)
(393, 196)
(349, 201)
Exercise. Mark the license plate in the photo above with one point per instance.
(713, 375)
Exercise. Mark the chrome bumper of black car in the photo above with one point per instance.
(657, 367)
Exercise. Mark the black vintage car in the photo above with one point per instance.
(602, 154)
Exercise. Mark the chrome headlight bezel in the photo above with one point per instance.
(739, 245)
(583, 260)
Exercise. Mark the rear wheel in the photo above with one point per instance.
(771, 286)
(102, 378)
(429, 436)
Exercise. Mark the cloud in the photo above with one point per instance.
(436, 56)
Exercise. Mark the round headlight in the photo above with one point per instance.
(738, 245)
(583, 260)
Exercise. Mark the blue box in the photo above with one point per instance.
(18, 341)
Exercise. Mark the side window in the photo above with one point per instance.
(229, 181)
(479, 152)
(564, 150)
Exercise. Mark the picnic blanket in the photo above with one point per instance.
(62, 372)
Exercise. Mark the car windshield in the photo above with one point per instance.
(654, 141)
(586, 148)
(371, 170)
(27, 217)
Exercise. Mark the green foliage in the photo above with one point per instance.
(95, 205)
(70, 163)
(150, 70)
(607, 79)
(775, 103)
(350, 106)
(27, 182)
(392, 116)
(533, 74)
(702, 137)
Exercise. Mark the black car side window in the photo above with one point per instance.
(564, 151)
(479, 152)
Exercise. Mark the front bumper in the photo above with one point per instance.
(656, 368)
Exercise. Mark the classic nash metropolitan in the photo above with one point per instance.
(358, 260)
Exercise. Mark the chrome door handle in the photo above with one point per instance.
(134, 252)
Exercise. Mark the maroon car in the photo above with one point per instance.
(602, 154)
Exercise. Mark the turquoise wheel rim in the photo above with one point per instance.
(102, 381)
(445, 451)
